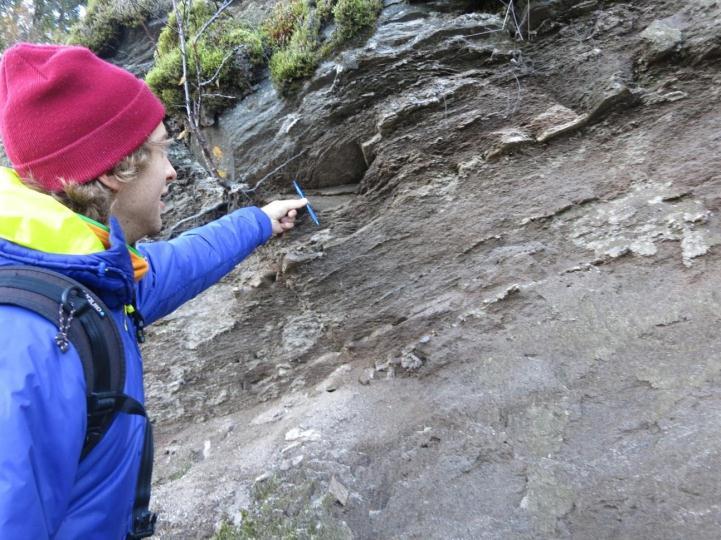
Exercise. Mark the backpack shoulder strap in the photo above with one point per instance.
(84, 320)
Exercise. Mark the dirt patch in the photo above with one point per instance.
(516, 345)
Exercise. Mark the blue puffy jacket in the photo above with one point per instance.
(45, 491)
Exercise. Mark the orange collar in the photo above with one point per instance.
(140, 265)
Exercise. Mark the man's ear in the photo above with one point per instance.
(109, 181)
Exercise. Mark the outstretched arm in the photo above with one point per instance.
(185, 266)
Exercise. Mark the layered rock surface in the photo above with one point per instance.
(507, 324)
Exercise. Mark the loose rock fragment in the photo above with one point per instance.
(662, 39)
(506, 141)
(411, 361)
(338, 490)
(366, 376)
(336, 379)
(370, 148)
(513, 289)
(616, 96)
(693, 245)
(292, 260)
(296, 434)
(556, 121)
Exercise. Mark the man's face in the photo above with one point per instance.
(137, 204)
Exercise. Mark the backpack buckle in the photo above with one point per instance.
(143, 525)
(102, 403)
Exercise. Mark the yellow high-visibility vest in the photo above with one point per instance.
(39, 222)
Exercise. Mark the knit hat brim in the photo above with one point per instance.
(100, 150)
(68, 116)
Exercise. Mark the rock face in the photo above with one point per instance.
(507, 324)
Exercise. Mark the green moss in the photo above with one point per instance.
(325, 10)
(298, 59)
(250, 39)
(182, 471)
(288, 40)
(162, 79)
(220, 58)
(294, 34)
(100, 28)
(287, 508)
(198, 14)
(355, 16)
(284, 20)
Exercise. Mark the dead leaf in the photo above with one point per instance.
(181, 82)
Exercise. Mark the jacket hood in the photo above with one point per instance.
(36, 230)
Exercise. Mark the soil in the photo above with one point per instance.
(507, 323)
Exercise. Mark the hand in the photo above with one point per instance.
(282, 213)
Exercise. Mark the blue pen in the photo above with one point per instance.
(308, 206)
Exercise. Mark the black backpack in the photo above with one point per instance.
(84, 320)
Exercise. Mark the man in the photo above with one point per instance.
(88, 147)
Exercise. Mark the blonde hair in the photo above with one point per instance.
(94, 199)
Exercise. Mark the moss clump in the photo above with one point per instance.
(100, 28)
(293, 31)
(229, 51)
(167, 67)
(291, 508)
(249, 39)
(219, 61)
(285, 19)
(355, 16)
(298, 59)
(325, 10)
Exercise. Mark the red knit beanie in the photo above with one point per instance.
(66, 114)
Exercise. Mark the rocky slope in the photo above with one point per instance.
(507, 324)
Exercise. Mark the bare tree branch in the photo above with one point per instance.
(217, 71)
(191, 219)
(193, 118)
(219, 96)
(212, 19)
(505, 19)
(271, 173)
(519, 33)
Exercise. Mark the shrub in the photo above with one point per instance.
(299, 58)
(325, 10)
(354, 16)
(100, 28)
(284, 20)
(225, 53)
(289, 37)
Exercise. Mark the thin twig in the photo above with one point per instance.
(483, 33)
(212, 19)
(528, 18)
(518, 96)
(271, 173)
(184, 57)
(505, 19)
(215, 208)
(193, 119)
(217, 71)
(219, 96)
(147, 33)
(198, 100)
(515, 20)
